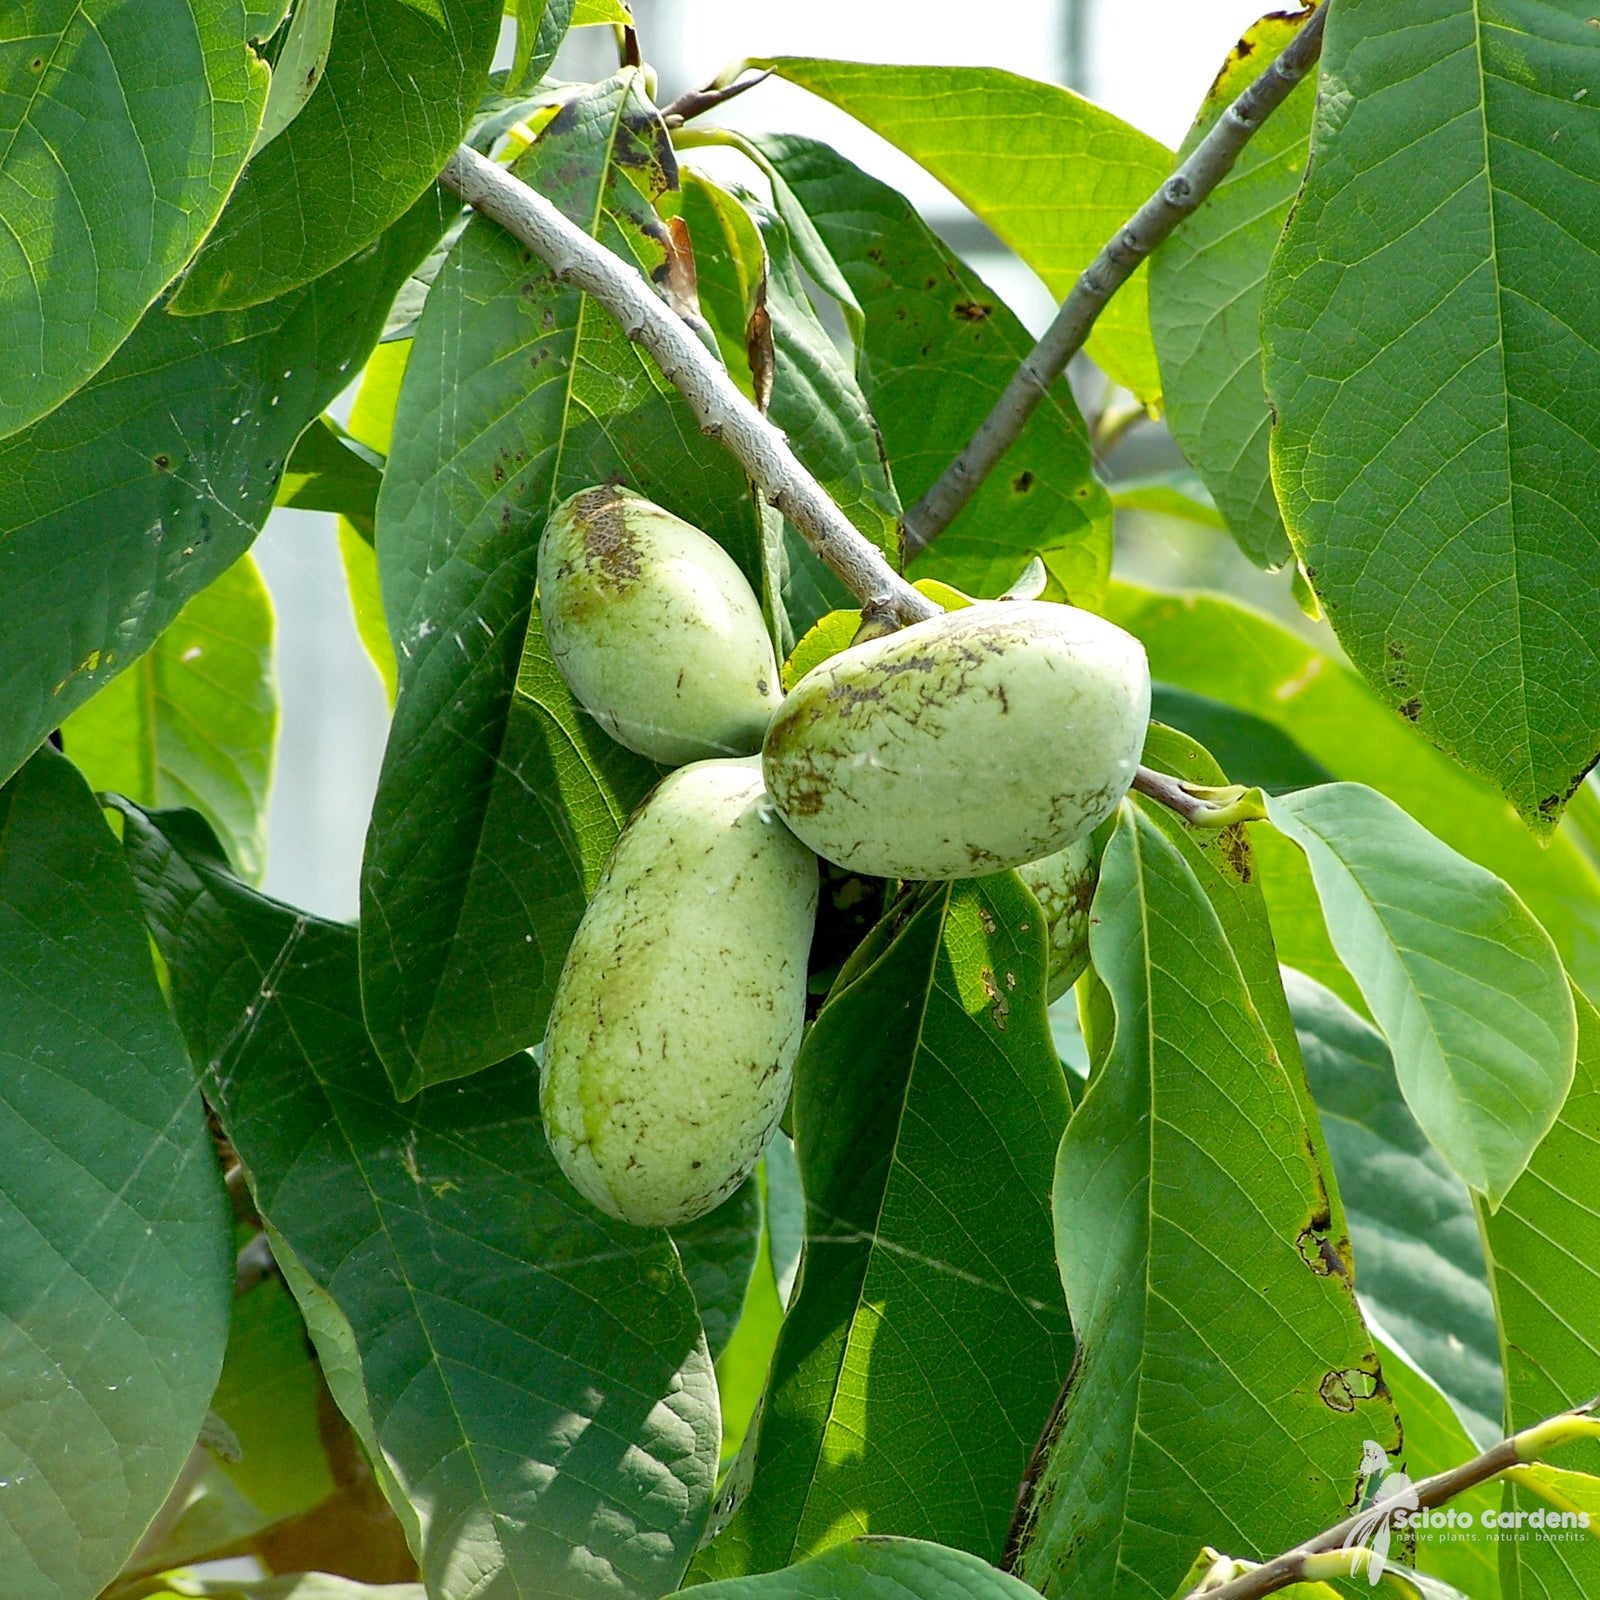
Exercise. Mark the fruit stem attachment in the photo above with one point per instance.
(1199, 805)
(1313, 1559)
(722, 412)
(1208, 164)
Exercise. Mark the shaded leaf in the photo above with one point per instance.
(1248, 749)
(295, 1586)
(1466, 986)
(194, 721)
(786, 1214)
(499, 800)
(877, 1568)
(115, 1260)
(298, 59)
(1169, 494)
(1433, 362)
(329, 470)
(937, 349)
(718, 1254)
(541, 26)
(1215, 1322)
(1054, 175)
(399, 84)
(1206, 284)
(142, 489)
(927, 1338)
(122, 129)
(533, 1374)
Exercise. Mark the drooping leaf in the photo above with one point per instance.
(194, 721)
(786, 1214)
(742, 1365)
(533, 1374)
(1466, 986)
(937, 349)
(1433, 361)
(718, 1253)
(541, 26)
(1419, 1263)
(1215, 1323)
(927, 1338)
(115, 1260)
(1169, 494)
(877, 1567)
(400, 82)
(299, 56)
(1054, 175)
(1219, 648)
(328, 470)
(1543, 1250)
(1249, 749)
(153, 480)
(1206, 285)
(499, 800)
(122, 129)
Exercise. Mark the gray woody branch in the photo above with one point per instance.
(721, 410)
(1209, 163)
(1324, 1556)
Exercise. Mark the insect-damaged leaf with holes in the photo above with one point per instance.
(153, 479)
(400, 81)
(1216, 1319)
(534, 1374)
(499, 800)
(1433, 360)
(1205, 297)
(928, 1327)
(937, 349)
(115, 1261)
(122, 129)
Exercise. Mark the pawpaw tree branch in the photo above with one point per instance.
(1325, 1557)
(721, 410)
(1208, 164)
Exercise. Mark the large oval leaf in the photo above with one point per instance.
(116, 1264)
(928, 1337)
(122, 129)
(1433, 359)
(533, 1374)
(400, 82)
(877, 1568)
(143, 489)
(1466, 986)
(1053, 174)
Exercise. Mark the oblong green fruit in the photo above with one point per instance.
(654, 629)
(971, 742)
(1063, 884)
(677, 1016)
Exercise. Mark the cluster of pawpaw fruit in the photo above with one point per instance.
(997, 735)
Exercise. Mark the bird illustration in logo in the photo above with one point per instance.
(1391, 1492)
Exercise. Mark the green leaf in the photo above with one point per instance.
(499, 800)
(533, 1373)
(329, 470)
(194, 721)
(1248, 749)
(1206, 285)
(927, 1338)
(1543, 1249)
(1466, 986)
(718, 1253)
(115, 1256)
(1168, 494)
(1566, 1491)
(401, 80)
(143, 489)
(1219, 648)
(122, 129)
(1419, 1263)
(541, 26)
(1216, 1318)
(730, 260)
(1433, 360)
(294, 1586)
(786, 1214)
(742, 1365)
(876, 1567)
(1054, 175)
(298, 63)
(937, 349)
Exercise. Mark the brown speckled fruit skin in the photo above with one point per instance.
(1064, 884)
(677, 1018)
(972, 742)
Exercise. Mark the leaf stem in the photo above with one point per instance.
(1208, 164)
(723, 413)
(1301, 1563)
(1199, 806)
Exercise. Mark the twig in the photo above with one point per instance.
(1299, 1565)
(723, 413)
(696, 102)
(1199, 805)
(1209, 163)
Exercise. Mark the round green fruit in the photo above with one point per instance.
(1063, 884)
(962, 745)
(677, 1017)
(654, 629)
